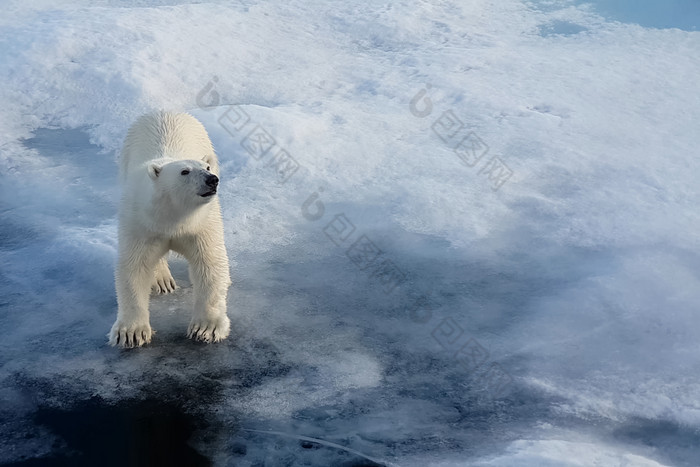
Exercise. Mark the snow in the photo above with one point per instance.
(474, 241)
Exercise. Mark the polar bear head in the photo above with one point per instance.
(186, 183)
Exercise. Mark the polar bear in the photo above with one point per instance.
(169, 176)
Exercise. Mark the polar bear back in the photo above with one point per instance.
(166, 134)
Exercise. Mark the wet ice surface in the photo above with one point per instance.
(396, 301)
(322, 357)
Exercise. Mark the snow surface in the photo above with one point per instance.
(396, 301)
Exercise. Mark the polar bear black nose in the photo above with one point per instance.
(212, 181)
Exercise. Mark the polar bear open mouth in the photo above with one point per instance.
(208, 193)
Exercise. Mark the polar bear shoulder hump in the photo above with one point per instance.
(174, 135)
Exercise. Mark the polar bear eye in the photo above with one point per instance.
(185, 172)
(208, 168)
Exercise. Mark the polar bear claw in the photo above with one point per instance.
(209, 330)
(130, 336)
(164, 285)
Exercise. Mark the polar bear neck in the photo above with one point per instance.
(171, 219)
(159, 214)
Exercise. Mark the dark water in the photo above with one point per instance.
(135, 433)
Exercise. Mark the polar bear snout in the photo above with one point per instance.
(211, 181)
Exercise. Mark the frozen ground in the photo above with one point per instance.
(396, 301)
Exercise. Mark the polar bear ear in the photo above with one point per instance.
(211, 160)
(154, 170)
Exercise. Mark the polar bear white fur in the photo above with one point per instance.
(169, 175)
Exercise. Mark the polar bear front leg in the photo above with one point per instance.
(210, 277)
(134, 275)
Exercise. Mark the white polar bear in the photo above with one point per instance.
(169, 175)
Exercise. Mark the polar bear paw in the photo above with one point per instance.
(164, 283)
(209, 329)
(129, 336)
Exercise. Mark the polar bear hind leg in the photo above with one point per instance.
(164, 282)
